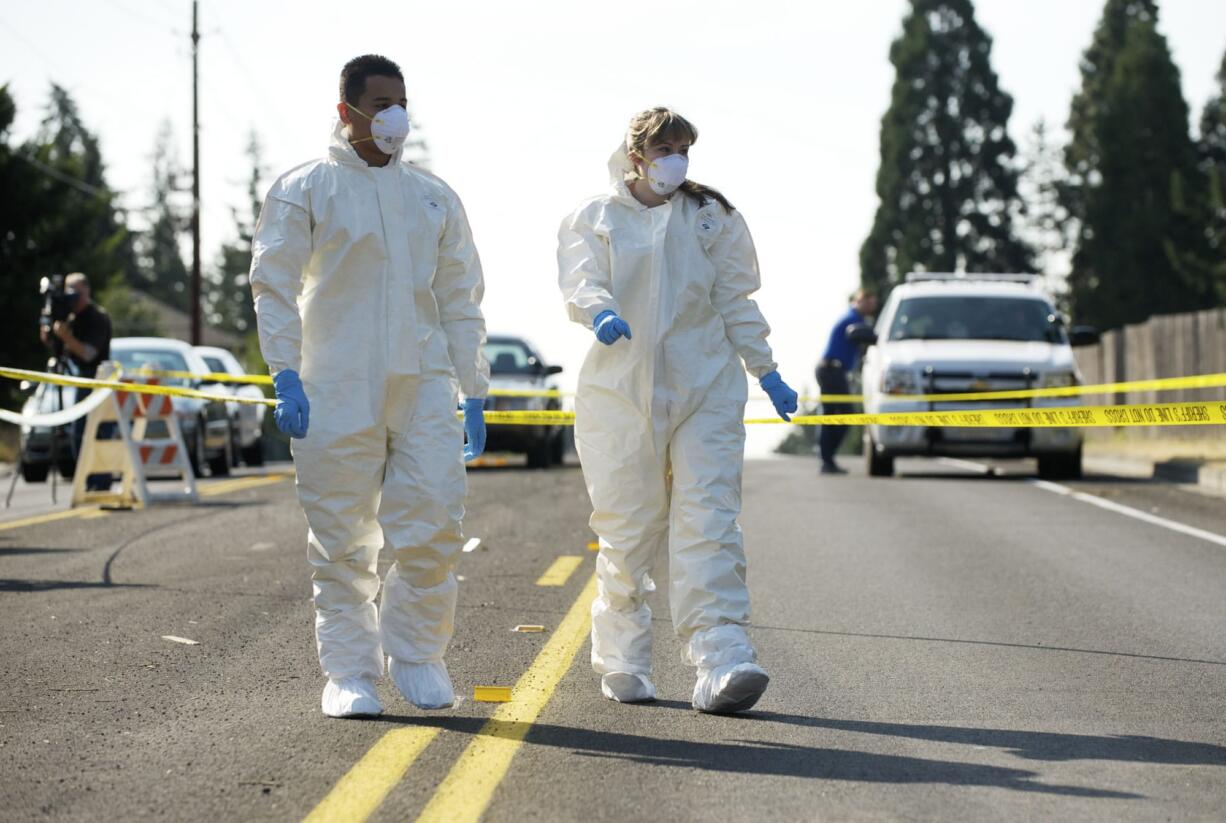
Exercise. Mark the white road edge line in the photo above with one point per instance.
(1102, 503)
(968, 465)
(1128, 511)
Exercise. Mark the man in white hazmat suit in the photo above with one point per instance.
(367, 291)
(662, 269)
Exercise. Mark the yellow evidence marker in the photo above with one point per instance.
(492, 694)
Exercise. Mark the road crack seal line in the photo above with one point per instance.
(110, 561)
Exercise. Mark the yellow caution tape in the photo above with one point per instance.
(1153, 414)
(827, 398)
(265, 380)
(135, 388)
(1203, 381)
(209, 377)
(1156, 414)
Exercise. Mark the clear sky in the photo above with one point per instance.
(523, 102)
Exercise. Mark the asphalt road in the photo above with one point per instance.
(944, 645)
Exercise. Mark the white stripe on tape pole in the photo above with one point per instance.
(58, 418)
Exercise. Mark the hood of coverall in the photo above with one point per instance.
(621, 168)
(343, 152)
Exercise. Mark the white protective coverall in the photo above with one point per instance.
(670, 398)
(367, 283)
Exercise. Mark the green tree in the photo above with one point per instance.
(947, 180)
(1134, 186)
(1211, 149)
(163, 273)
(57, 216)
(228, 301)
(1047, 225)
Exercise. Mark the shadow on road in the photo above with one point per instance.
(779, 759)
(999, 643)
(7, 551)
(1046, 746)
(9, 585)
(999, 475)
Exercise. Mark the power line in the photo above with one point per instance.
(147, 19)
(51, 171)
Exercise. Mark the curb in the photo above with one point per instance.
(1208, 476)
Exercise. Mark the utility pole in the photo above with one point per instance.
(195, 283)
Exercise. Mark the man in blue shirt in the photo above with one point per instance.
(837, 362)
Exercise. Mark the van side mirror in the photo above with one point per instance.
(1083, 336)
(862, 334)
(552, 370)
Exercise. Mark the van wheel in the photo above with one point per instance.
(253, 455)
(35, 472)
(219, 466)
(877, 464)
(1060, 466)
(539, 454)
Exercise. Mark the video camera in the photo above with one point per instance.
(57, 301)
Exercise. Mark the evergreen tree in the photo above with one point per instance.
(228, 302)
(1047, 225)
(1134, 187)
(1212, 153)
(947, 180)
(163, 273)
(57, 216)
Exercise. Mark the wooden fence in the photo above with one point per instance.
(1171, 345)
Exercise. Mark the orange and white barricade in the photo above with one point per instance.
(147, 443)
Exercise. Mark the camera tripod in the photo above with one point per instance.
(55, 365)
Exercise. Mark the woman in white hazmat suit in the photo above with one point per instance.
(366, 281)
(662, 270)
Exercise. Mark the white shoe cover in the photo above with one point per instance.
(625, 687)
(351, 697)
(729, 689)
(425, 685)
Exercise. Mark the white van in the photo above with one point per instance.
(945, 333)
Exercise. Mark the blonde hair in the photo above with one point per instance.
(661, 124)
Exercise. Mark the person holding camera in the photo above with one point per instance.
(84, 336)
(78, 332)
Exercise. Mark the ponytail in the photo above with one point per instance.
(702, 195)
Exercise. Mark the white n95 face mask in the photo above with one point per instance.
(388, 128)
(666, 174)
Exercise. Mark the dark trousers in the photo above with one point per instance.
(832, 380)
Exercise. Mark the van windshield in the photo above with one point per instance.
(160, 359)
(977, 318)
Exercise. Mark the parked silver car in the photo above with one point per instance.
(205, 423)
(515, 365)
(246, 419)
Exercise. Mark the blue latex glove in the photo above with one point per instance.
(474, 427)
(780, 394)
(609, 327)
(293, 412)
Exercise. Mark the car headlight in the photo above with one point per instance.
(1058, 379)
(900, 381)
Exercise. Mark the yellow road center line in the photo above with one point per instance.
(356, 796)
(468, 788)
(240, 484)
(560, 571)
(87, 512)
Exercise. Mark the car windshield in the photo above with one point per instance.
(215, 365)
(510, 357)
(976, 318)
(161, 359)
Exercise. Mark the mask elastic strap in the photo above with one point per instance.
(364, 114)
